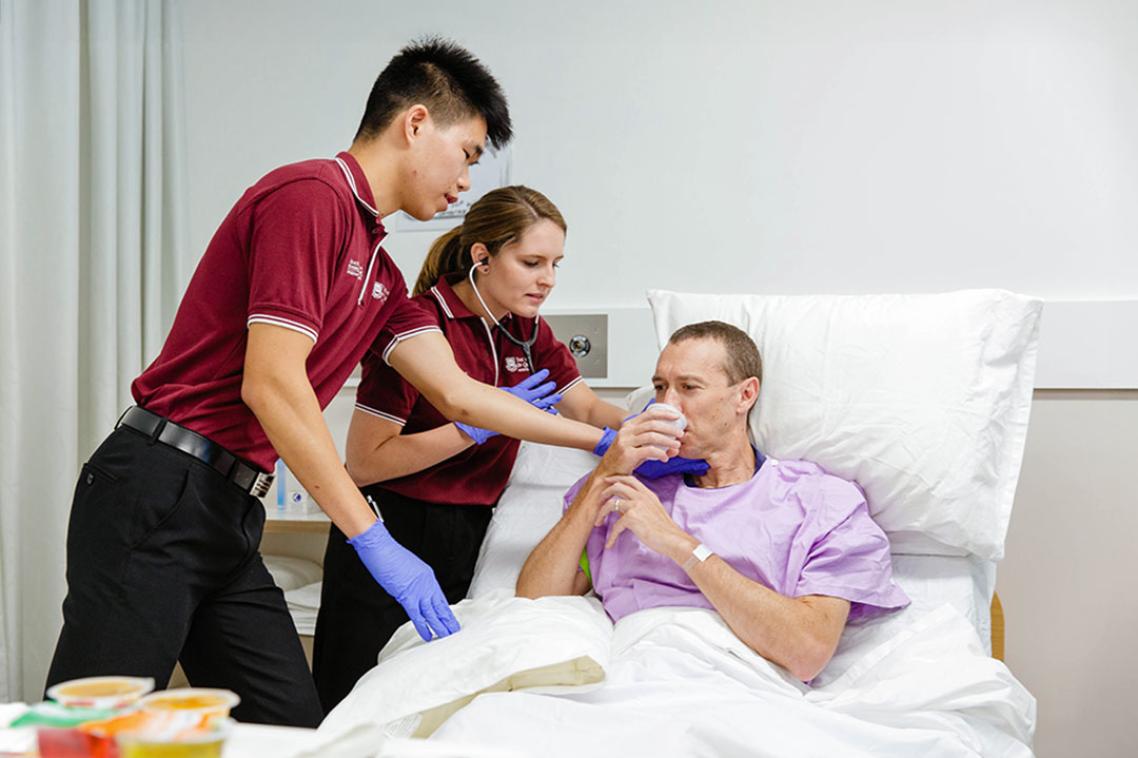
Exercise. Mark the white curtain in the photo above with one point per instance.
(92, 230)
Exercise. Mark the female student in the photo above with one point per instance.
(435, 482)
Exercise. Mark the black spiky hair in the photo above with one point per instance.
(446, 78)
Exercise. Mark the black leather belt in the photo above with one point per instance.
(237, 471)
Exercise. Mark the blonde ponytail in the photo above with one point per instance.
(444, 257)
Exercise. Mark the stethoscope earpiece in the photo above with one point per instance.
(525, 345)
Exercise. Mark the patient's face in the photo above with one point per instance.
(690, 376)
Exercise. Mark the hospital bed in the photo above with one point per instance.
(924, 401)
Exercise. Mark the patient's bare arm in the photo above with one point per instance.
(800, 634)
(551, 569)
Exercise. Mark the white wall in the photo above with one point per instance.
(809, 146)
(788, 147)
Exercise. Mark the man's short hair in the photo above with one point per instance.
(742, 359)
(452, 83)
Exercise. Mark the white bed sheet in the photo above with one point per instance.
(678, 682)
(304, 605)
(300, 580)
(290, 573)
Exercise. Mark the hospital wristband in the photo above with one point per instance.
(699, 554)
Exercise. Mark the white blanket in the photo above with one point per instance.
(678, 682)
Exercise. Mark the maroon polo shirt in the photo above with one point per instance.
(300, 250)
(478, 474)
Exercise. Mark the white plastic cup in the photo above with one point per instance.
(681, 422)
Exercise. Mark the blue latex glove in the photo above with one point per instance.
(407, 579)
(528, 389)
(654, 469)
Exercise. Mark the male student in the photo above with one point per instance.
(162, 546)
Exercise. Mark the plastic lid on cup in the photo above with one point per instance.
(101, 691)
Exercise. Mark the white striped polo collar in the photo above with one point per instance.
(452, 304)
(351, 167)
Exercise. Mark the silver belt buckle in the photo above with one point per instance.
(261, 484)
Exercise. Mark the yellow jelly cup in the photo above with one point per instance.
(102, 692)
(207, 704)
(204, 742)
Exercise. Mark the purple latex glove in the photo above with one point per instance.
(542, 397)
(407, 579)
(608, 436)
(677, 465)
(654, 469)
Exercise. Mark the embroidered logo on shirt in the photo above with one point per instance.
(516, 364)
(356, 269)
(380, 292)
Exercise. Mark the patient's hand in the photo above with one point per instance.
(648, 436)
(642, 514)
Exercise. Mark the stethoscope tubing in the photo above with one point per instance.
(525, 345)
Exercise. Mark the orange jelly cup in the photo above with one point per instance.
(206, 703)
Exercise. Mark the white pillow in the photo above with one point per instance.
(923, 400)
(930, 581)
(528, 509)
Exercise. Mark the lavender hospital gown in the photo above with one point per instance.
(791, 527)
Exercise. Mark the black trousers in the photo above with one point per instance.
(163, 565)
(357, 617)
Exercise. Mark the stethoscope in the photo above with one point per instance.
(525, 345)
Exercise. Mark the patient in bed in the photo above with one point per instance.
(783, 551)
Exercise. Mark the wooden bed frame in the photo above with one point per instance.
(997, 627)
